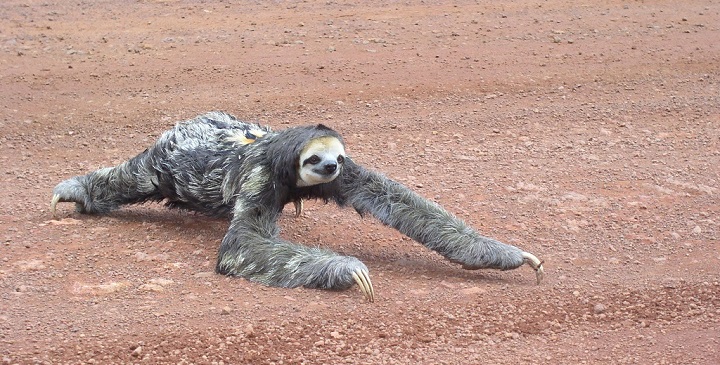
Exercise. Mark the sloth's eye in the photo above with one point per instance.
(340, 159)
(313, 160)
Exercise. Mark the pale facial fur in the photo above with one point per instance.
(320, 161)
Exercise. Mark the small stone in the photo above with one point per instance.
(427, 337)
(697, 230)
(336, 335)
(472, 291)
(112, 287)
(448, 285)
(204, 274)
(161, 281)
(137, 351)
(31, 265)
(249, 331)
(142, 256)
(151, 287)
(670, 283)
(22, 289)
(599, 308)
(64, 222)
(225, 310)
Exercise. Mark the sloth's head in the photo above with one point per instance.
(321, 161)
(306, 156)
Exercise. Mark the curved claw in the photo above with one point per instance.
(298, 207)
(53, 203)
(362, 278)
(536, 264)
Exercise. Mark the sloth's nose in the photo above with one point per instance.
(330, 168)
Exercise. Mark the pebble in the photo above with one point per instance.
(31, 265)
(670, 283)
(22, 289)
(448, 285)
(64, 222)
(152, 287)
(112, 287)
(142, 256)
(473, 291)
(161, 281)
(599, 308)
(249, 331)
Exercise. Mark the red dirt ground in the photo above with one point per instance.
(585, 132)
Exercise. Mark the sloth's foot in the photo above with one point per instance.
(338, 273)
(500, 256)
(536, 264)
(71, 190)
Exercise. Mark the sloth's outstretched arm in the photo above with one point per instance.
(428, 223)
(252, 249)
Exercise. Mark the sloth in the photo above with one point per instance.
(220, 166)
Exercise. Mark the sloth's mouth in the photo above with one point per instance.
(318, 176)
(327, 176)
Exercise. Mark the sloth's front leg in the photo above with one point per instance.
(430, 224)
(252, 250)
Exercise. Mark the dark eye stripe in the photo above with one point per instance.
(313, 160)
(340, 159)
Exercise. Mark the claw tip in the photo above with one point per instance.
(298, 207)
(53, 204)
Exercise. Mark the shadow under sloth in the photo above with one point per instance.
(217, 165)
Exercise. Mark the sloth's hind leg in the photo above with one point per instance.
(104, 190)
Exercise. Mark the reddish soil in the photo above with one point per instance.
(585, 132)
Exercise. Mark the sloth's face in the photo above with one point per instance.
(320, 161)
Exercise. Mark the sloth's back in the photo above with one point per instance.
(191, 160)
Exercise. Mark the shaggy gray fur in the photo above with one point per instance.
(204, 165)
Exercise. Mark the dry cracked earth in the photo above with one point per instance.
(585, 132)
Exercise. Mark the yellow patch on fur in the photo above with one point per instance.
(247, 136)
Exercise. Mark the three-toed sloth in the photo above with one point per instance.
(217, 165)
